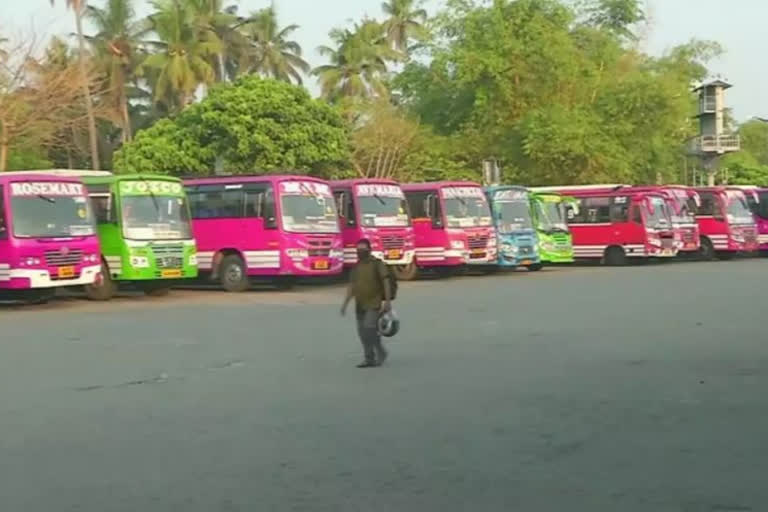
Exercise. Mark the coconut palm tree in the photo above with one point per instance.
(78, 7)
(271, 52)
(116, 50)
(358, 63)
(180, 62)
(219, 25)
(405, 22)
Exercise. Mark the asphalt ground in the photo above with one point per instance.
(571, 389)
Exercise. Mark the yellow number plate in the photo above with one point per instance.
(66, 272)
(393, 254)
(320, 265)
(526, 262)
(478, 251)
(170, 274)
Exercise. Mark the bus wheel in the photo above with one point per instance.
(535, 267)
(615, 257)
(155, 289)
(707, 250)
(406, 272)
(105, 289)
(233, 275)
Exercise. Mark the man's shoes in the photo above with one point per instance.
(383, 355)
(367, 364)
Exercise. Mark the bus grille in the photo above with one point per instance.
(168, 256)
(392, 242)
(478, 242)
(319, 248)
(688, 237)
(59, 259)
(667, 242)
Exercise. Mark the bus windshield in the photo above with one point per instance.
(383, 211)
(738, 210)
(467, 212)
(513, 216)
(307, 213)
(157, 217)
(550, 216)
(51, 216)
(657, 216)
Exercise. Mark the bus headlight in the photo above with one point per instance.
(508, 249)
(91, 258)
(548, 246)
(139, 262)
(31, 261)
(337, 253)
(457, 244)
(193, 259)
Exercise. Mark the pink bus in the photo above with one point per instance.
(726, 223)
(374, 209)
(272, 228)
(452, 227)
(47, 236)
(758, 202)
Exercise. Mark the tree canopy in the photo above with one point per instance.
(254, 125)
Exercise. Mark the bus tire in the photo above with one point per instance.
(706, 250)
(535, 267)
(406, 272)
(106, 290)
(154, 289)
(233, 275)
(615, 257)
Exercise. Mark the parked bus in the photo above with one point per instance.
(452, 227)
(619, 224)
(726, 223)
(758, 203)
(515, 231)
(272, 228)
(683, 202)
(47, 236)
(549, 217)
(376, 210)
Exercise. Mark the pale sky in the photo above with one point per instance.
(739, 25)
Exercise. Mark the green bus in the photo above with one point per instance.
(144, 229)
(549, 216)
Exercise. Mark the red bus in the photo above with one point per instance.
(683, 202)
(618, 224)
(726, 223)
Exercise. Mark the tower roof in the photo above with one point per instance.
(713, 83)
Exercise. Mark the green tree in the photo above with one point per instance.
(180, 62)
(253, 125)
(78, 8)
(405, 22)
(116, 52)
(219, 27)
(271, 52)
(617, 16)
(358, 62)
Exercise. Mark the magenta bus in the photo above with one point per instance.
(47, 236)
(452, 227)
(374, 209)
(271, 228)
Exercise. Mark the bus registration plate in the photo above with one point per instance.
(393, 254)
(171, 273)
(320, 265)
(66, 272)
(526, 262)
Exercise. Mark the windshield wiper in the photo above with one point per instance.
(46, 198)
(379, 199)
(151, 194)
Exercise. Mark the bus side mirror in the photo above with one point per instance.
(270, 223)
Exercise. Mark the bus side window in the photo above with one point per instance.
(102, 208)
(433, 210)
(619, 212)
(349, 209)
(3, 224)
(637, 215)
(260, 203)
(415, 202)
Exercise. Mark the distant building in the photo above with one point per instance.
(714, 139)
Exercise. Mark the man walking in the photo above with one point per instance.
(370, 287)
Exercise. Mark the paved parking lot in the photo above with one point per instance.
(616, 389)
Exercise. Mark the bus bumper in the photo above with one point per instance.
(22, 278)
